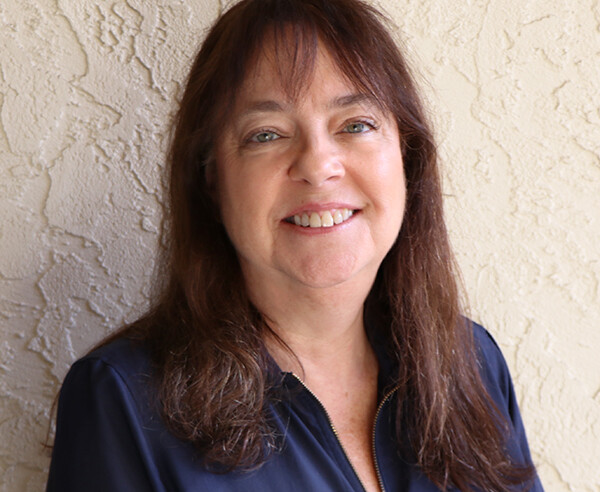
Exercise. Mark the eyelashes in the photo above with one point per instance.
(262, 136)
(360, 126)
(353, 126)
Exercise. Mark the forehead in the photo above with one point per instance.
(291, 76)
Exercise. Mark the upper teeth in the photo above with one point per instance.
(323, 219)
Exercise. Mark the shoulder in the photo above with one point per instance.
(497, 379)
(498, 383)
(105, 421)
(123, 355)
(485, 345)
(117, 372)
(483, 339)
(125, 358)
(493, 367)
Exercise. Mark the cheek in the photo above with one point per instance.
(245, 197)
(387, 180)
(400, 196)
(229, 199)
(235, 208)
(392, 192)
(395, 173)
(245, 205)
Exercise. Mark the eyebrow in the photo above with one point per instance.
(269, 106)
(351, 100)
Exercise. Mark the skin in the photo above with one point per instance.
(329, 148)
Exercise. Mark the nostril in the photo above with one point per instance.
(316, 171)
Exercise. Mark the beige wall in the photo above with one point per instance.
(86, 89)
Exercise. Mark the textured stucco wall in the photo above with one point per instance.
(86, 90)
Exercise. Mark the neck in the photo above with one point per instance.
(322, 327)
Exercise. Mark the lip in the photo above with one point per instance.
(315, 231)
(311, 231)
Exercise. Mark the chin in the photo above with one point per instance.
(329, 272)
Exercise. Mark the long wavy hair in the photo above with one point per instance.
(205, 337)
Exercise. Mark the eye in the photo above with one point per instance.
(264, 137)
(355, 128)
(358, 127)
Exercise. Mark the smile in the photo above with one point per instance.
(327, 218)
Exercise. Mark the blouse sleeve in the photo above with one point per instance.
(497, 379)
(100, 443)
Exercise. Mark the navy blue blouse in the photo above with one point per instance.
(110, 436)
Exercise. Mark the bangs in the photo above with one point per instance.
(290, 32)
(293, 47)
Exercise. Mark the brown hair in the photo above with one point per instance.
(205, 336)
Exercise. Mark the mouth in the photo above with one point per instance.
(324, 218)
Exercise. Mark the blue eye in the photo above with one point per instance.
(357, 127)
(264, 137)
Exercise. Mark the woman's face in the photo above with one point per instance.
(311, 190)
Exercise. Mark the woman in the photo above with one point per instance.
(310, 336)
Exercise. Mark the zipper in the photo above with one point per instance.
(335, 433)
(379, 407)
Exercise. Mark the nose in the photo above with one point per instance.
(317, 161)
